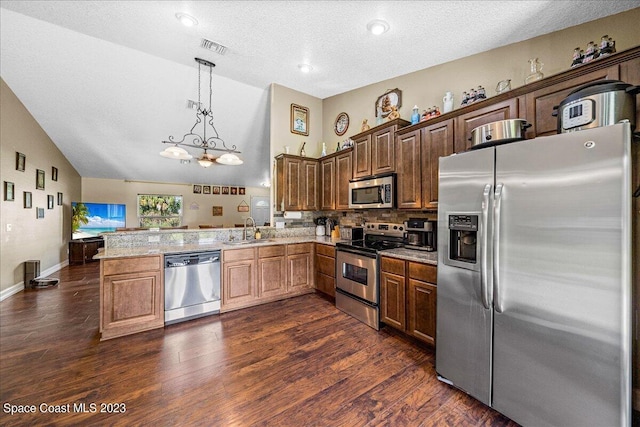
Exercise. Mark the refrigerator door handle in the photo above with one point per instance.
(496, 247)
(484, 267)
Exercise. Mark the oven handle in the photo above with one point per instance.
(356, 252)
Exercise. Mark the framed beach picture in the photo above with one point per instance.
(20, 161)
(299, 120)
(39, 179)
(26, 199)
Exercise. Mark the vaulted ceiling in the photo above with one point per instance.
(109, 80)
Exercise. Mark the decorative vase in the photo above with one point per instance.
(536, 71)
(448, 102)
(415, 117)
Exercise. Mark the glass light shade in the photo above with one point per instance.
(205, 161)
(378, 27)
(229, 159)
(177, 153)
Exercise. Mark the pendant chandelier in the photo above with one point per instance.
(193, 140)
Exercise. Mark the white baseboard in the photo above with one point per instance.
(20, 286)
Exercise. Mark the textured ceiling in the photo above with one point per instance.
(108, 80)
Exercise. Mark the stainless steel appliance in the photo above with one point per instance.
(191, 285)
(420, 234)
(357, 281)
(534, 277)
(373, 192)
(499, 132)
(595, 104)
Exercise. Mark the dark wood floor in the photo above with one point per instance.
(298, 362)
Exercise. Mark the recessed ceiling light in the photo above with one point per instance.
(305, 68)
(187, 20)
(378, 27)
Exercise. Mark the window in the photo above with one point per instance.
(157, 210)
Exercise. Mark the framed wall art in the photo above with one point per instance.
(215, 189)
(26, 199)
(49, 201)
(206, 189)
(39, 213)
(54, 173)
(388, 103)
(242, 191)
(299, 120)
(216, 211)
(234, 190)
(59, 199)
(225, 190)
(197, 189)
(20, 161)
(8, 191)
(39, 179)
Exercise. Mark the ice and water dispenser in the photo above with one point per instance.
(463, 240)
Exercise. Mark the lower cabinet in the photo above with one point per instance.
(326, 269)
(253, 276)
(133, 301)
(408, 297)
(83, 250)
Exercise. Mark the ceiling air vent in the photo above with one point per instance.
(213, 46)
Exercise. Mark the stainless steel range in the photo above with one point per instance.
(357, 267)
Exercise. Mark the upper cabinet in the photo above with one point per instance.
(335, 173)
(297, 180)
(374, 149)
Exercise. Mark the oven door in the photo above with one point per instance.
(357, 274)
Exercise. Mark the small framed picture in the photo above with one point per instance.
(234, 190)
(389, 103)
(49, 201)
(39, 179)
(299, 120)
(242, 191)
(20, 161)
(39, 213)
(216, 211)
(26, 198)
(8, 191)
(215, 189)
(59, 199)
(206, 189)
(197, 189)
(225, 190)
(54, 173)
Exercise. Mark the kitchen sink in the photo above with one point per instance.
(246, 242)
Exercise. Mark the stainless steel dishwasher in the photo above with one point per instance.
(191, 285)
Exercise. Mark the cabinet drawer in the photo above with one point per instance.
(131, 265)
(327, 250)
(392, 265)
(237, 254)
(299, 248)
(271, 251)
(423, 272)
(326, 284)
(326, 265)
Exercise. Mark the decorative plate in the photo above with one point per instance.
(342, 124)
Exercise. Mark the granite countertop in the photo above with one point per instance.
(207, 245)
(412, 255)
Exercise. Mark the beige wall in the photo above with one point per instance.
(30, 238)
(426, 88)
(197, 207)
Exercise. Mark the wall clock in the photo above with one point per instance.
(342, 124)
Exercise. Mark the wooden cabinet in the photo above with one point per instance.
(239, 285)
(272, 270)
(408, 297)
(326, 269)
(83, 250)
(335, 173)
(299, 267)
(465, 123)
(296, 183)
(436, 141)
(418, 156)
(374, 149)
(133, 301)
(540, 103)
(256, 275)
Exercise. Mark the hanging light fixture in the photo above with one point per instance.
(193, 140)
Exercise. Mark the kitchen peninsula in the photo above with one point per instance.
(278, 266)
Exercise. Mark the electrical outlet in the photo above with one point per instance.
(9, 227)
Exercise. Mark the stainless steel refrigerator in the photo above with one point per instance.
(534, 277)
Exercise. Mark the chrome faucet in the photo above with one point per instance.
(244, 232)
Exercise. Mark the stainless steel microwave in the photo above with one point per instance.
(373, 192)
